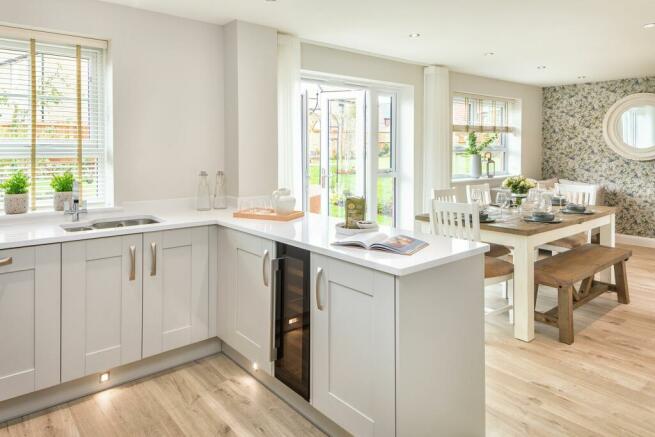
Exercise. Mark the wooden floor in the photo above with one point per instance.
(210, 397)
(603, 384)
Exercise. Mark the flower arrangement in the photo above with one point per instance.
(519, 184)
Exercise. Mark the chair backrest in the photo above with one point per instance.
(455, 220)
(484, 188)
(585, 194)
(447, 195)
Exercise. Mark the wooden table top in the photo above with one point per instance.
(518, 226)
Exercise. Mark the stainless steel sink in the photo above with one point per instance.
(111, 224)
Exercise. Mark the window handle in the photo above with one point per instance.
(323, 178)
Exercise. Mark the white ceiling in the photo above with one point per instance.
(599, 39)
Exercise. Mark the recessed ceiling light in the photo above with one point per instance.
(489, 54)
(414, 35)
(541, 67)
(649, 25)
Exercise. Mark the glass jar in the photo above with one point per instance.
(202, 198)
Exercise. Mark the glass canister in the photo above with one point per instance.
(202, 198)
(220, 201)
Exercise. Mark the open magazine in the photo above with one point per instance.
(400, 244)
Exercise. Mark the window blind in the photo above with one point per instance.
(480, 114)
(52, 116)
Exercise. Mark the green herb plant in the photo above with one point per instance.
(17, 183)
(472, 146)
(62, 183)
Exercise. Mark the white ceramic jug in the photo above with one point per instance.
(283, 201)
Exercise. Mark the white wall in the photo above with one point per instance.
(167, 90)
(251, 109)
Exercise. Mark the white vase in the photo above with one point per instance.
(476, 166)
(16, 203)
(60, 198)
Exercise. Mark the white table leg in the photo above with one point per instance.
(608, 238)
(524, 257)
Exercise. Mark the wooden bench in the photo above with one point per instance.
(565, 270)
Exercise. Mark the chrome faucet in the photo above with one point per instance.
(74, 210)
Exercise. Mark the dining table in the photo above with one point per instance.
(524, 238)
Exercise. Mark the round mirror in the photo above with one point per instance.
(629, 127)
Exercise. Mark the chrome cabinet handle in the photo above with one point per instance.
(132, 263)
(153, 257)
(264, 278)
(319, 275)
(6, 261)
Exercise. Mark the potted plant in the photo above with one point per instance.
(474, 151)
(16, 193)
(63, 186)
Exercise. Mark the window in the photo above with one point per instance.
(339, 161)
(52, 115)
(486, 117)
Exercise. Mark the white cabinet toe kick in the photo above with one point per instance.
(389, 355)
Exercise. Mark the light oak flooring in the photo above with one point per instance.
(209, 397)
(603, 384)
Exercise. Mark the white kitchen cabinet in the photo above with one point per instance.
(101, 304)
(353, 346)
(175, 289)
(245, 302)
(29, 319)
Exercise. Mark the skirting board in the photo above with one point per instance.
(287, 395)
(42, 399)
(635, 240)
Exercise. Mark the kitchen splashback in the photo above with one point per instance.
(574, 148)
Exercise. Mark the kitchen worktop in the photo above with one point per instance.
(312, 232)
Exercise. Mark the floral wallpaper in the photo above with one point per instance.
(574, 149)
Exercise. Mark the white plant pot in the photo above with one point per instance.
(60, 198)
(16, 203)
(476, 166)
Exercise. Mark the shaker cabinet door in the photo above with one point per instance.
(353, 346)
(101, 304)
(29, 319)
(245, 304)
(175, 289)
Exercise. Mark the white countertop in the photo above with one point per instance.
(312, 232)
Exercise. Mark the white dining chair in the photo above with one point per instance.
(496, 249)
(582, 194)
(485, 189)
(462, 220)
(447, 195)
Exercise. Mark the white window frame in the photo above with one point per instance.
(100, 63)
(373, 90)
(504, 137)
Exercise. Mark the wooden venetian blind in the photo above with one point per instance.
(480, 114)
(52, 116)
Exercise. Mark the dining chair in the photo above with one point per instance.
(462, 220)
(447, 195)
(582, 194)
(485, 189)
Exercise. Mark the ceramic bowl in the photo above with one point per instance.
(543, 216)
(576, 207)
